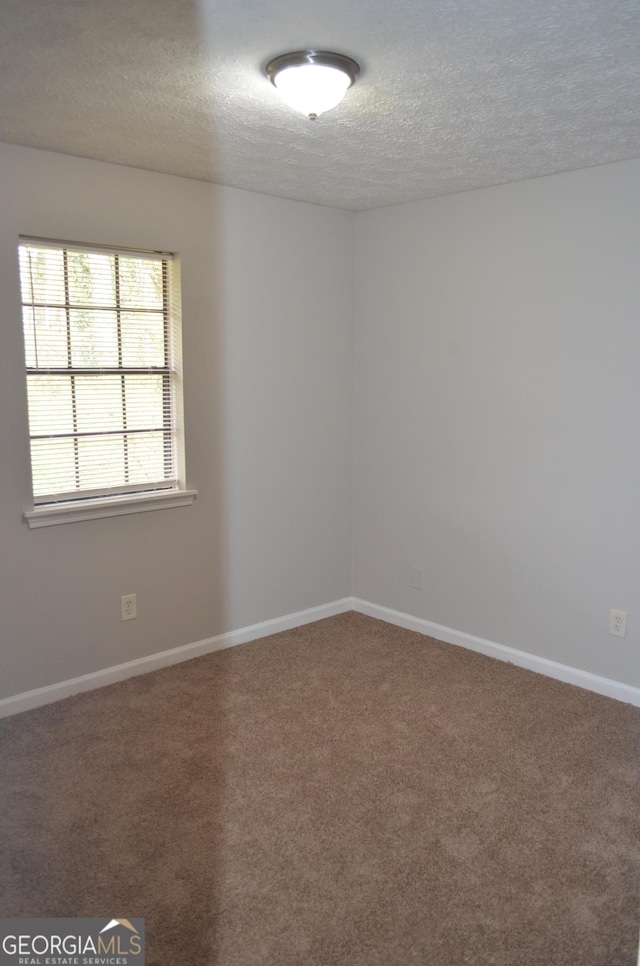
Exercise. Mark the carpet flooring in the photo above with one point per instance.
(342, 794)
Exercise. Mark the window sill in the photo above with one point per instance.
(72, 512)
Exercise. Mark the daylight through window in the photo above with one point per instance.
(100, 339)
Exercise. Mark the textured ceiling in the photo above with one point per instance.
(453, 94)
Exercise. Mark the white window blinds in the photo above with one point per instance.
(100, 345)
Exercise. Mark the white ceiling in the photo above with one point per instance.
(453, 94)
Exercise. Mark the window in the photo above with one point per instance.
(101, 335)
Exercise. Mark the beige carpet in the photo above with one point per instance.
(343, 794)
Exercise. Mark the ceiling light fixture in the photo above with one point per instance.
(312, 81)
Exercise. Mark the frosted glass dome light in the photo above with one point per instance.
(311, 81)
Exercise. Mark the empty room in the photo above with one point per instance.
(319, 517)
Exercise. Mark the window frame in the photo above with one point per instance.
(84, 503)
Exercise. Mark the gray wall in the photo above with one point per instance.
(497, 397)
(267, 339)
(495, 404)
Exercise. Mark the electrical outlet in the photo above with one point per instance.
(618, 623)
(416, 578)
(128, 607)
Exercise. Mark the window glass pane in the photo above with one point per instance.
(42, 275)
(50, 404)
(101, 461)
(94, 338)
(91, 278)
(28, 327)
(98, 403)
(144, 402)
(142, 339)
(119, 461)
(45, 332)
(146, 458)
(140, 283)
(53, 466)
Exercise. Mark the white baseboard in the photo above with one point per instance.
(120, 672)
(542, 665)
